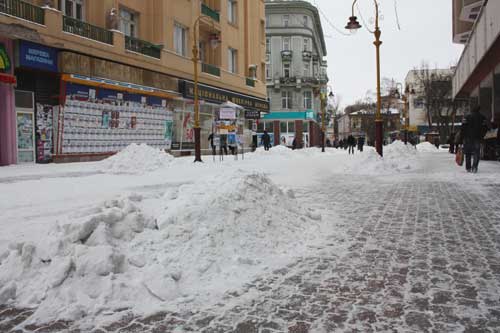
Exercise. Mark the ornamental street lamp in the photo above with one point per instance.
(214, 42)
(354, 25)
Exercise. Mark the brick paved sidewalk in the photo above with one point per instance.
(413, 256)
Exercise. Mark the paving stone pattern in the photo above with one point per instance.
(413, 256)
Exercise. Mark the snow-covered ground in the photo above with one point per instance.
(147, 232)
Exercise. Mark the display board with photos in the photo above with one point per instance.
(105, 121)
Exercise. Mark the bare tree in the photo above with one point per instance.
(435, 89)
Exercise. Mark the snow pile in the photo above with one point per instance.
(275, 151)
(200, 241)
(398, 157)
(426, 147)
(136, 159)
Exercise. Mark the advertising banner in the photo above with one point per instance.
(227, 113)
(37, 56)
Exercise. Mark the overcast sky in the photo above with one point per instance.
(426, 34)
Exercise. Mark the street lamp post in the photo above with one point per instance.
(197, 128)
(354, 25)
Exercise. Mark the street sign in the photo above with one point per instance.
(252, 114)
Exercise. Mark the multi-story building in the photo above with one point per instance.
(476, 24)
(417, 111)
(94, 76)
(296, 70)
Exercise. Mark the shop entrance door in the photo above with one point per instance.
(25, 125)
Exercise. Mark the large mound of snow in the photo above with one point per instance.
(276, 150)
(136, 159)
(196, 242)
(427, 147)
(398, 157)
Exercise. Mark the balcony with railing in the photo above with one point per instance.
(306, 55)
(210, 69)
(286, 55)
(84, 29)
(212, 13)
(23, 10)
(143, 47)
(250, 81)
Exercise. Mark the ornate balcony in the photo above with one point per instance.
(306, 55)
(286, 55)
(205, 10)
(143, 47)
(80, 28)
(23, 10)
(250, 82)
(210, 69)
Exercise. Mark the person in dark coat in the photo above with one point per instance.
(361, 143)
(351, 142)
(474, 128)
(266, 140)
(294, 144)
(451, 143)
(211, 140)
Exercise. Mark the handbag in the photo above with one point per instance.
(459, 156)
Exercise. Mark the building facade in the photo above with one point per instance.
(296, 70)
(94, 76)
(416, 108)
(476, 24)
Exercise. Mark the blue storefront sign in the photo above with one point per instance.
(37, 56)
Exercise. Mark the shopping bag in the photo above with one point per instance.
(459, 157)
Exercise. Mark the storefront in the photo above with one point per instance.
(235, 129)
(285, 127)
(8, 154)
(37, 98)
(99, 117)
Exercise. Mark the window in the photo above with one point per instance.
(305, 21)
(180, 40)
(286, 20)
(286, 99)
(283, 128)
(268, 71)
(232, 56)
(307, 69)
(267, 21)
(286, 70)
(307, 100)
(201, 50)
(315, 69)
(306, 44)
(128, 22)
(268, 45)
(286, 43)
(232, 11)
(291, 127)
(305, 127)
(74, 9)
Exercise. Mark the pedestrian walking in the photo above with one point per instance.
(351, 142)
(212, 145)
(361, 143)
(451, 143)
(266, 140)
(474, 128)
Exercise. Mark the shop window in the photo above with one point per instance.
(74, 9)
(283, 127)
(305, 127)
(129, 22)
(261, 126)
(180, 39)
(291, 127)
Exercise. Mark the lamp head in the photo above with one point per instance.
(331, 94)
(353, 24)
